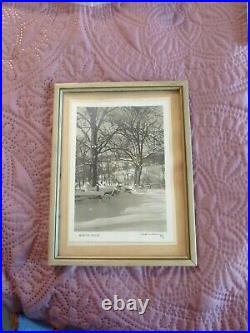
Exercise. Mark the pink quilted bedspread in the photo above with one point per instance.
(204, 43)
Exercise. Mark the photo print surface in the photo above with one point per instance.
(121, 174)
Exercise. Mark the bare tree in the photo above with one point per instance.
(130, 134)
(97, 130)
(82, 159)
(139, 135)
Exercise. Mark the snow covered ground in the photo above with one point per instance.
(142, 211)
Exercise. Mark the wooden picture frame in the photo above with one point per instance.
(122, 178)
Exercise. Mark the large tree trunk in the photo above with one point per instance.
(94, 169)
(138, 172)
(83, 177)
(108, 172)
(94, 153)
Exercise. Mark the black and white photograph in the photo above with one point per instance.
(120, 183)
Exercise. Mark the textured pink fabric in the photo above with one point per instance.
(204, 43)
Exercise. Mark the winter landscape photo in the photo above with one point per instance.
(120, 183)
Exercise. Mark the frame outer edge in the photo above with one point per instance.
(124, 262)
(170, 84)
(189, 168)
(53, 257)
(53, 179)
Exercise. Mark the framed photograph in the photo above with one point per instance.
(121, 181)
